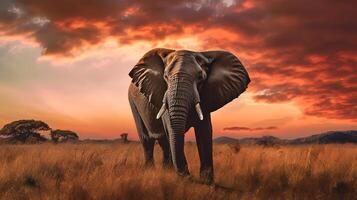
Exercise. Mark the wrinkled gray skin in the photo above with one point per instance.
(172, 91)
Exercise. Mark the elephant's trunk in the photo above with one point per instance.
(180, 99)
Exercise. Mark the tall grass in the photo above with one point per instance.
(114, 171)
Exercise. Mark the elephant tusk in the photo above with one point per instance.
(199, 111)
(161, 111)
(197, 99)
(163, 107)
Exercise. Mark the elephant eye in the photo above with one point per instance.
(166, 74)
(201, 76)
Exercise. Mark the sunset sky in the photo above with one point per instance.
(66, 62)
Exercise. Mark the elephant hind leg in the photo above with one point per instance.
(147, 142)
(166, 154)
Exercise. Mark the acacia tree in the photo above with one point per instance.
(24, 131)
(63, 135)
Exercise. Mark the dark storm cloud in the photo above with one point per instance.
(128, 21)
(238, 128)
(307, 49)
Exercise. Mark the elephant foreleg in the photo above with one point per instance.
(203, 133)
(148, 145)
(147, 142)
(166, 154)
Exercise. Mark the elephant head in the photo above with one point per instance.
(181, 81)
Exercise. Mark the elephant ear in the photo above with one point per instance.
(148, 74)
(227, 79)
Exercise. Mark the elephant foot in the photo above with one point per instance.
(208, 181)
(183, 172)
(167, 164)
(185, 176)
(206, 177)
(149, 164)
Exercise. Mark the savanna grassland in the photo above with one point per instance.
(114, 171)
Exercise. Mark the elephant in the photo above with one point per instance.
(174, 90)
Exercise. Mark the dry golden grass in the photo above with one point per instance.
(113, 171)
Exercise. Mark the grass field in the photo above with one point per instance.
(114, 171)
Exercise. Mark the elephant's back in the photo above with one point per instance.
(147, 112)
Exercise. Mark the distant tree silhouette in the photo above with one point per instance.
(124, 137)
(63, 135)
(25, 131)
